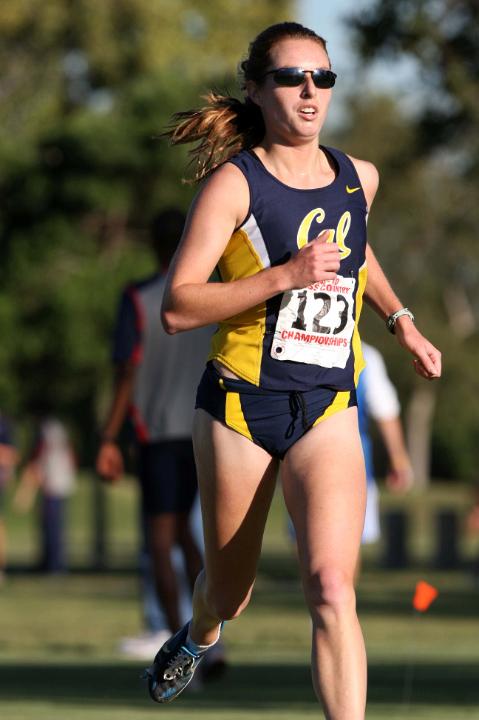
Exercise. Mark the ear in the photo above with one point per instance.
(253, 92)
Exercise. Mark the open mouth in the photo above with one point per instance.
(308, 112)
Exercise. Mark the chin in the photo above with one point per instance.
(309, 133)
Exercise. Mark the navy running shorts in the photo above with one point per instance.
(167, 474)
(273, 419)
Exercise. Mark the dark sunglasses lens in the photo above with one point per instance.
(292, 77)
(289, 77)
(324, 78)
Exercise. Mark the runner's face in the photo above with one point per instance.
(294, 114)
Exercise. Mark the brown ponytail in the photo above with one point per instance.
(220, 129)
(227, 125)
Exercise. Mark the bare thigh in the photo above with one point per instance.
(236, 482)
(325, 492)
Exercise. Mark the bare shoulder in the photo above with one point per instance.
(219, 207)
(227, 189)
(229, 173)
(369, 176)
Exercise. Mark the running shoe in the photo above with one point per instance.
(172, 669)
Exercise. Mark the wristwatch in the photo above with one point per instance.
(392, 319)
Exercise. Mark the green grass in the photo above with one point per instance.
(58, 651)
(58, 638)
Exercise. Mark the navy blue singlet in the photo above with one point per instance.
(315, 329)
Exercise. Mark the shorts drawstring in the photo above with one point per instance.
(297, 404)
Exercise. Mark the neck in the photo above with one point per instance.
(303, 165)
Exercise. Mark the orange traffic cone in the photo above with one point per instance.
(423, 597)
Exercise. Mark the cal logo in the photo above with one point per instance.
(339, 235)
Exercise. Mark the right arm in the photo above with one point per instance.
(109, 461)
(220, 207)
(383, 406)
(126, 354)
(400, 477)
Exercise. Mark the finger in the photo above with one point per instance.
(323, 246)
(326, 253)
(437, 360)
(325, 236)
(423, 371)
(430, 359)
(433, 367)
(328, 249)
(419, 368)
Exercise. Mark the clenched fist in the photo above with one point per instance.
(318, 260)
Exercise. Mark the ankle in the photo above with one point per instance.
(203, 640)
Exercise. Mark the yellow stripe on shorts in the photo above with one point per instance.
(234, 414)
(340, 402)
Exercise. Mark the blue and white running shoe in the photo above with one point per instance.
(172, 669)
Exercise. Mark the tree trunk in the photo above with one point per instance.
(419, 418)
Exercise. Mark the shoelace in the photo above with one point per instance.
(178, 666)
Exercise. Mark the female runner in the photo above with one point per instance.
(284, 219)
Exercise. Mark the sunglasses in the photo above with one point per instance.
(295, 76)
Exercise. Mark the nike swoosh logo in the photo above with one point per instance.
(352, 190)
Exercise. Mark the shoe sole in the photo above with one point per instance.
(147, 675)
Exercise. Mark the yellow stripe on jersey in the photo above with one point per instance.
(234, 417)
(340, 402)
(238, 342)
(359, 363)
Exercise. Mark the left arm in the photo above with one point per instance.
(29, 483)
(400, 477)
(380, 295)
(382, 298)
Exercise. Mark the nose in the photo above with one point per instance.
(309, 88)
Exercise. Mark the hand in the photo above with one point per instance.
(22, 501)
(427, 358)
(473, 520)
(400, 479)
(109, 461)
(8, 457)
(318, 260)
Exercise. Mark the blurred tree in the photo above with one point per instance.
(75, 230)
(64, 53)
(86, 89)
(442, 36)
(426, 214)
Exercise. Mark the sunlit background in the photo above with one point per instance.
(86, 89)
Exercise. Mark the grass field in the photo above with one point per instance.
(58, 640)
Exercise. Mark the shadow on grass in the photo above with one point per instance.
(245, 686)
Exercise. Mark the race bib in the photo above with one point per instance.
(315, 324)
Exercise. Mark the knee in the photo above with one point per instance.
(226, 606)
(330, 595)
